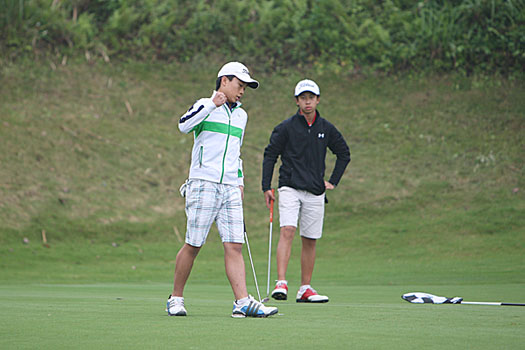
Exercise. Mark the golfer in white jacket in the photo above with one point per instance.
(214, 190)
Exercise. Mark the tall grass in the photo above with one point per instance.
(473, 33)
(347, 36)
(11, 15)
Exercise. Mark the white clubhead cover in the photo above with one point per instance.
(425, 298)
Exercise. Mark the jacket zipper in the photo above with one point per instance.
(227, 140)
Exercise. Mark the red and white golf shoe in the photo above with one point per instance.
(280, 291)
(309, 295)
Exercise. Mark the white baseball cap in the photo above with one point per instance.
(307, 85)
(240, 71)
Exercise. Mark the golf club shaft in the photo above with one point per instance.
(490, 303)
(270, 245)
(251, 263)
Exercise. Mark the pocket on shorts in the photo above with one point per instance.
(192, 187)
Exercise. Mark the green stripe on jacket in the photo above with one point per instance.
(217, 127)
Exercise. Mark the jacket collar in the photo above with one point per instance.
(302, 117)
(234, 105)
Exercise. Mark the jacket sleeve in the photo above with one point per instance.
(196, 114)
(338, 146)
(271, 153)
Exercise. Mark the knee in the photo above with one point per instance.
(188, 251)
(233, 248)
(288, 232)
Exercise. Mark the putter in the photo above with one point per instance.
(426, 298)
(269, 250)
(251, 262)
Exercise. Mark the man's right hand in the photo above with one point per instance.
(268, 197)
(219, 99)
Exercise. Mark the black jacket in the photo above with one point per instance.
(303, 150)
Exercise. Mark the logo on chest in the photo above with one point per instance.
(320, 135)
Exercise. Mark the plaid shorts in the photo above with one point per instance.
(207, 202)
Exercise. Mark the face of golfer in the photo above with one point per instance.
(233, 89)
(307, 102)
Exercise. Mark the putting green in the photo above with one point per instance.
(132, 316)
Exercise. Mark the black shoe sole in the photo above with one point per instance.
(308, 301)
(279, 296)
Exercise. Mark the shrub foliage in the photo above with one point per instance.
(389, 35)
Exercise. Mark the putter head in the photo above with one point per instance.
(265, 300)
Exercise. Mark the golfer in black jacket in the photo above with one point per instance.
(301, 141)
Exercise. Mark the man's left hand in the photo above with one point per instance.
(328, 185)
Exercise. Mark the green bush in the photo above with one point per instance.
(469, 36)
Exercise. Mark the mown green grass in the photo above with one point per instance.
(131, 316)
(432, 201)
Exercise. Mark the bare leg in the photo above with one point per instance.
(183, 264)
(307, 260)
(284, 249)
(234, 263)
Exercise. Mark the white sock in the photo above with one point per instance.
(282, 281)
(304, 287)
(242, 301)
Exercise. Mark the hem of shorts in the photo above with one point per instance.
(242, 242)
(282, 225)
(316, 238)
(195, 245)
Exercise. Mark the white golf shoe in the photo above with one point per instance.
(309, 295)
(249, 307)
(280, 291)
(175, 306)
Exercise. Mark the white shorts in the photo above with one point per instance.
(304, 206)
(207, 202)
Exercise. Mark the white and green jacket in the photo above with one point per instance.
(218, 135)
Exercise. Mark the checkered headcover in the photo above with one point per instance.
(425, 298)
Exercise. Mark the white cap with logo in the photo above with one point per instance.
(240, 71)
(307, 85)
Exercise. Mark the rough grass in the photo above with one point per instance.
(92, 151)
(97, 145)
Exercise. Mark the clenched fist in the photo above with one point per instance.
(219, 99)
